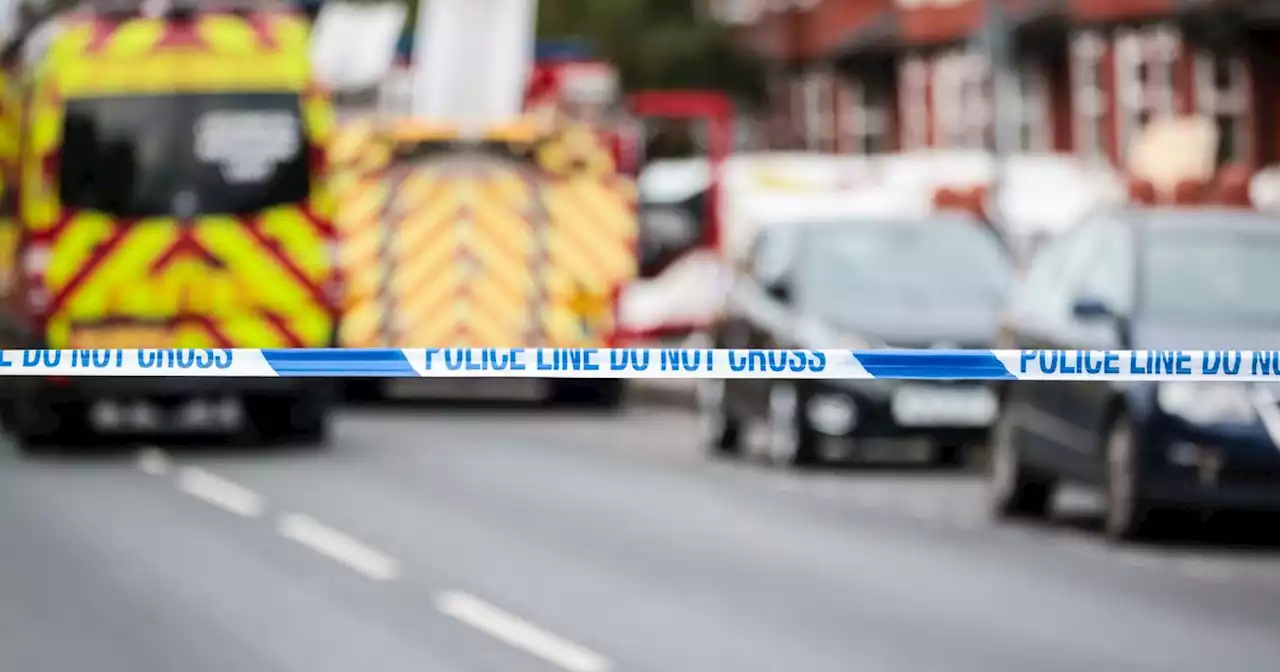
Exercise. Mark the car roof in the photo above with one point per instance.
(1202, 218)
(829, 224)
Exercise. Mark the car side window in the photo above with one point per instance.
(1108, 274)
(1075, 259)
(771, 258)
(1036, 296)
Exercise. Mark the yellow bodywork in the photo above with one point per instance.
(502, 241)
(105, 280)
(10, 131)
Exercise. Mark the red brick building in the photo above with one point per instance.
(886, 75)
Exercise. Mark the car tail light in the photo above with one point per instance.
(35, 261)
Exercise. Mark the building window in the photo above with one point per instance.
(961, 84)
(1089, 101)
(1031, 115)
(1145, 61)
(795, 119)
(1222, 94)
(914, 103)
(819, 111)
(864, 118)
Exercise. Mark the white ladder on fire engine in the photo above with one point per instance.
(471, 63)
(472, 60)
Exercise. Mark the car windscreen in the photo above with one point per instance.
(183, 155)
(1212, 277)
(930, 265)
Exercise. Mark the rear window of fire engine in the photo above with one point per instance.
(183, 155)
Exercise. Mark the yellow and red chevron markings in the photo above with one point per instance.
(220, 283)
(485, 253)
(213, 281)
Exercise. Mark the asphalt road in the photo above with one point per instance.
(534, 541)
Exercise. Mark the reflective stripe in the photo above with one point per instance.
(489, 254)
(216, 281)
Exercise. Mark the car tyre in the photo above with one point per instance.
(301, 419)
(32, 444)
(720, 432)
(1129, 516)
(792, 442)
(1016, 491)
(606, 394)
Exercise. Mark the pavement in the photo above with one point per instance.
(535, 541)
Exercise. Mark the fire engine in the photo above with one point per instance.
(494, 211)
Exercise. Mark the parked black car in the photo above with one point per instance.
(1148, 279)
(938, 282)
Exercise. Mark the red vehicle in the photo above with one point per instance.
(679, 247)
(680, 207)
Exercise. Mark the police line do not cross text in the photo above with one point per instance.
(634, 363)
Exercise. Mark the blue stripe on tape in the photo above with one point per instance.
(934, 365)
(386, 363)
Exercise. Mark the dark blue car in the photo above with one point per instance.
(1147, 279)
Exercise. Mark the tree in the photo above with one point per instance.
(656, 43)
(653, 43)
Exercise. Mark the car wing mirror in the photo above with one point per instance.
(1089, 308)
(779, 290)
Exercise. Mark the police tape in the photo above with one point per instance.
(637, 363)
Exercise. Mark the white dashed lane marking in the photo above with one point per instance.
(338, 546)
(220, 492)
(520, 634)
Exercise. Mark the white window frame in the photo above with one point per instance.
(819, 109)
(948, 100)
(1032, 114)
(1088, 100)
(913, 103)
(862, 124)
(1158, 47)
(979, 112)
(796, 108)
(1236, 102)
(962, 106)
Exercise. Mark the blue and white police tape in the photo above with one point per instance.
(652, 363)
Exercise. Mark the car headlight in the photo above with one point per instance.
(832, 414)
(1207, 403)
(668, 228)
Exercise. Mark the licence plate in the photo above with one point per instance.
(917, 406)
(124, 338)
(110, 416)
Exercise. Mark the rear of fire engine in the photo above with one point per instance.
(169, 195)
(469, 223)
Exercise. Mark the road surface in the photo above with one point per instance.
(514, 541)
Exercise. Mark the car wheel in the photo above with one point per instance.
(300, 419)
(791, 440)
(605, 394)
(1128, 516)
(1016, 492)
(720, 433)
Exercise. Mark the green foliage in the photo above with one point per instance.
(654, 43)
